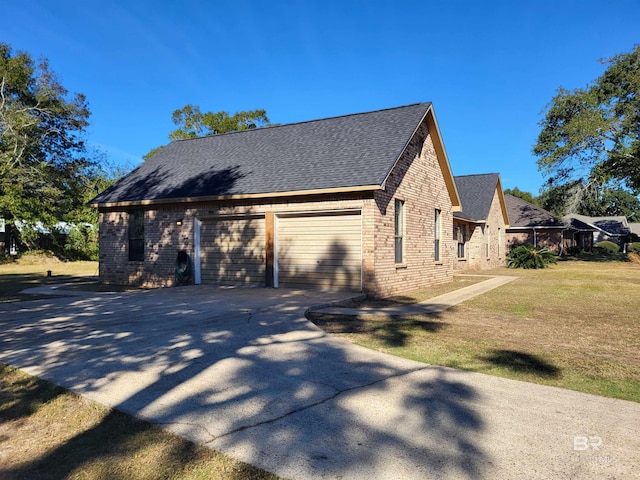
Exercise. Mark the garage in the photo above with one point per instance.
(232, 250)
(319, 250)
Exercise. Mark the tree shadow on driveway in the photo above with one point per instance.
(260, 383)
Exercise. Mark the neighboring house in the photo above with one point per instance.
(362, 202)
(532, 225)
(587, 231)
(479, 228)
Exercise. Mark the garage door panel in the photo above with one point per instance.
(320, 251)
(233, 251)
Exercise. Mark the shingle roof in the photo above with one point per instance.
(476, 193)
(342, 152)
(525, 214)
(614, 226)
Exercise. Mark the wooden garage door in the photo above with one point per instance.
(232, 250)
(321, 251)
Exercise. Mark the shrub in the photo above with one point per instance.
(574, 250)
(633, 247)
(527, 256)
(607, 247)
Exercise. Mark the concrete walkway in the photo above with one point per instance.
(432, 305)
(242, 371)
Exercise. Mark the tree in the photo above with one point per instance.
(593, 134)
(193, 123)
(526, 196)
(44, 171)
(592, 199)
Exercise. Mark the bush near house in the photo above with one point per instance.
(607, 247)
(527, 256)
(633, 247)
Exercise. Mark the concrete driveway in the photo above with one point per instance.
(242, 371)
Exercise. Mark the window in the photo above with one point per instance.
(399, 231)
(461, 233)
(487, 237)
(437, 234)
(136, 236)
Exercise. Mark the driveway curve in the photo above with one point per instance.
(241, 370)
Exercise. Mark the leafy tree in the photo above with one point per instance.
(526, 196)
(193, 123)
(592, 134)
(589, 199)
(43, 167)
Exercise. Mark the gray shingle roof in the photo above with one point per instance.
(525, 214)
(340, 152)
(476, 193)
(614, 226)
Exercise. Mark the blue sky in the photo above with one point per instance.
(489, 67)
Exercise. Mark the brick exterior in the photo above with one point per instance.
(416, 179)
(550, 238)
(486, 243)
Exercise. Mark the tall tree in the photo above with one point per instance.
(592, 134)
(43, 167)
(193, 123)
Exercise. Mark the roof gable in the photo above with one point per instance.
(476, 194)
(524, 214)
(348, 153)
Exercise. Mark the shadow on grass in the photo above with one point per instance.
(394, 331)
(522, 362)
(21, 396)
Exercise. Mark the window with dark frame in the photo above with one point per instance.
(437, 233)
(136, 236)
(399, 231)
(461, 234)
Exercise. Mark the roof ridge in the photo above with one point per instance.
(476, 174)
(302, 122)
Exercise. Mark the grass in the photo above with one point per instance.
(573, 325)
(49, 433)
(32, 271)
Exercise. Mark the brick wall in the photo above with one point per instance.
(416, 179)
(487, 244)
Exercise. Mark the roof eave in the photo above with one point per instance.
(503, 203)
(212, 198)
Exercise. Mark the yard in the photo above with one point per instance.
(574, 325)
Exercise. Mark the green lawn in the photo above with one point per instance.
(573, 325)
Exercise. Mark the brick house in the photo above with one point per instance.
(363, 202)
(533, 225)
(479, 228)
